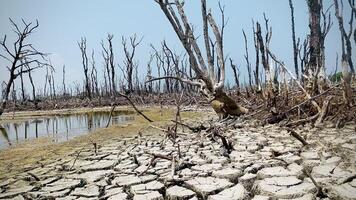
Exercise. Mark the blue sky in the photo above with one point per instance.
(64, 22)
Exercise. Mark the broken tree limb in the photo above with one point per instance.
(297, 136)
(134, 107)
(324, 110)
(302, 121)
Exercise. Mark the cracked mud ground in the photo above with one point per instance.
(266, 163)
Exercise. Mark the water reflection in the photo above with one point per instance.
(59, 128)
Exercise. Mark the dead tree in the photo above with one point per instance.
(346, 59)
(248, 65)
(149, 74)
(33, 89)
(63, 79)
(295, 46)
(314, 63)
(235, 70)
(22, 84)
(94, 76)
(129, 62)
(211, 85)
(23, 55)
(346, 36)
(108, 55)
(83, 48)
(270, 75)
(257, 50)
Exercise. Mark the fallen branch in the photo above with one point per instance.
(320, 192)
(302, 121)
(134, 107)
(76, 157)
(194, 129)
(297, 136)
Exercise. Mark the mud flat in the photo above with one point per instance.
(265, 163)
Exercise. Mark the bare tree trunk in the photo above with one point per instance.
(112, 65)
(257, 46)
(63, 80)
(346, 37)
(346, 60)
(22, 85)
(83, 48)
(236, 74)
(295, 46)
(210, 86)
(33, 89)
(23, 57)
(247, 60)
(129, 62)
(314, 62)
(94, 76)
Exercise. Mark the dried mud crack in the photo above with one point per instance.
(265, 163)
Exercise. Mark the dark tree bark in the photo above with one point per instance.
(63, 80)
(346, 36)
(33, 89)
(83, 48)
(24, 56)
(22, 85)
(211, 86)
(248, 65)
(257, 51)
(129, 62)
(295, 47)
(314, 64)
(94, 76)
(236, 74)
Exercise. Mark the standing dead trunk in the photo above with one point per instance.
(236, 74)
(210, 85)
(248, 65)
(314, 64)
(33, 89)
(129, 62)
(346, 61)
(22, 85)
(295, 46)
(83, 48)
(63, 80)
(24, 58)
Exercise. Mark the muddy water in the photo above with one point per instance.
(57, 127)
